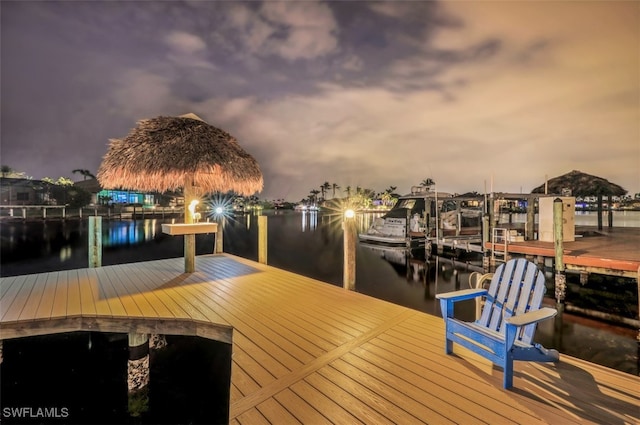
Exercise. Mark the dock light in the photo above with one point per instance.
(349, 213)
(219, 210)
(192, 209)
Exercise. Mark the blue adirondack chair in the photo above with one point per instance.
(508, 319)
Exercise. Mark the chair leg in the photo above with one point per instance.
(507, 379)
(448, 346)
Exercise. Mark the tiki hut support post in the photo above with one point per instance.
(190, 195)
(599, 212)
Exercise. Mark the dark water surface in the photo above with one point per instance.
(81, 378)
(311, 244)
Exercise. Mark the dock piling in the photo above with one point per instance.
(558, 237)
(262, 239)
(95, 241)
(349, 273)
(138, 374)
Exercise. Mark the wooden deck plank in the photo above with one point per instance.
(371, 377)
(339, 394)
(107, 294)
(252, 417)
(110, 280)
(61, 296)
(141, 287)
(169, 282)
(434, 390)
(351, 382)
(299, 408)
(10, 290)
(348, 319)
(89, 294)
(275, 296)
(308, 352)
(334, 412)
(7, 284)
(155, 281)
(242, 381)
(162, 303)
(260, 325)
(32, 297)
(74, 298)
(275, 413)
(99, 302)
(125, 282)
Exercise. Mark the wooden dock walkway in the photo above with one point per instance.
(309, 352)
(613, 251)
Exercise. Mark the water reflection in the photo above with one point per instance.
(130, 232)
(309, 220)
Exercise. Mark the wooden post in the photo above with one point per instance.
(610, 209)
(138, 374)
(486, 255)
(638, 281)
(531, 218)
(599, 212)
(95, 241)
(349, 266)
(262, 239)
(220, 236)
(558, 241)
(189, 240)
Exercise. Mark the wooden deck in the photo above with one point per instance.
(613, 251)
(308, 352)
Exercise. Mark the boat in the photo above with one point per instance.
(406, 223)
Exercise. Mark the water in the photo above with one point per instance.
(311, 244)
(81, 378)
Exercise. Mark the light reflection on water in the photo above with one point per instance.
(309, 244)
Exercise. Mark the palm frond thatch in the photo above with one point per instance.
(161, 154)
(581, 184)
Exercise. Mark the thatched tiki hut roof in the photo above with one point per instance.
(582, 184)
(168, 153)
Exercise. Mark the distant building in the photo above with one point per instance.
(20, 191)
(102, 196)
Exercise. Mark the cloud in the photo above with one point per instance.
(290, 30)
(183, 42)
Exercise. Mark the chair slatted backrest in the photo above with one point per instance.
(516, 287)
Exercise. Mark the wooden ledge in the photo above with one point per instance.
(189, 228)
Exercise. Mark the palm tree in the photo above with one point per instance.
(335, 187)
(84, 173)
(324, 187)
(6, 171)
(428, 182)
(348, 190)
(314, 194)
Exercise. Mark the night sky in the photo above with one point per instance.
(368, 94)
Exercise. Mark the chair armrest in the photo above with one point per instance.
(464, 294)
(532, 317)
(479, 278)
